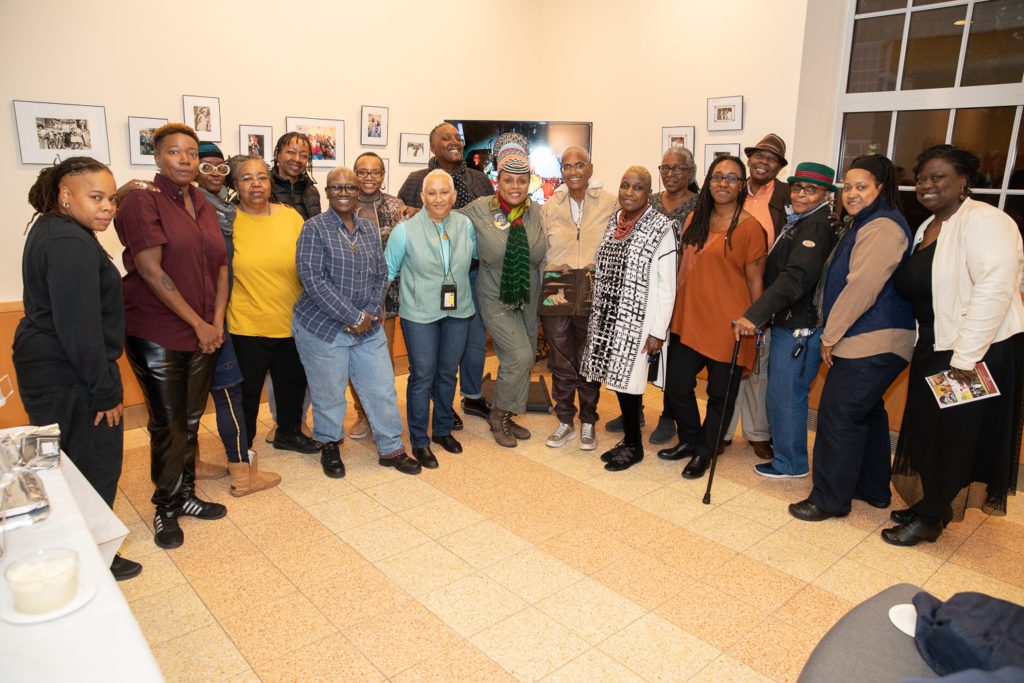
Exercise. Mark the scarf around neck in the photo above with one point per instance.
(515, 273)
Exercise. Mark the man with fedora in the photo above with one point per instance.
(767, 198)
(791, 277)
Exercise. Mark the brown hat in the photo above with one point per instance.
(770, 143)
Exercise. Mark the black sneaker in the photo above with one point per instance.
(330, 460)
(166, 532)
(201, 509)
(298, 442)
(124, 569)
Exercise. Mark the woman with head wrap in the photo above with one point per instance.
(511, 247)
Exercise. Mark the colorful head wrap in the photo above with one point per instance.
(511, 152)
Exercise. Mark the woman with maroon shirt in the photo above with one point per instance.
(175, 296)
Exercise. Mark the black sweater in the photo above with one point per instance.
(792, 272)
(73, 329)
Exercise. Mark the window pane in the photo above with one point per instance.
(986, 132)
(995, 48)
(865, 6)
(864, 133)
(1015, 208)
(920, 3)
(1017, 177)
(875, 56)
(933, 48)
(915, 132)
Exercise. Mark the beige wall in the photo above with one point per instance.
(630, 68)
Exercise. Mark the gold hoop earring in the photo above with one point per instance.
(963, 193)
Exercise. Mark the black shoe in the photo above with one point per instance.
(401, 462)
(425, 457)
(201, 509)
(912, 533)
(298, 442)
(664, 432)
(809, 512)
(873, 502)
(456, 422)
(902, 516)
(166, 532)
(616, 424)
(330, 460)
(447, 442)
(624, 457)
(123, 569)
(477, 407)
(678, 452)
(696, 468)
(608, 455)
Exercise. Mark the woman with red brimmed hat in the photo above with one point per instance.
(791, 276)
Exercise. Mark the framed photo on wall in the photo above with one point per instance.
(387, 173)
(681, 136)
(374, 126)
(721, 149)
(725, 113)
(203, 114)
(257, 141)
(47, 130)
(414, 148)
(140, 139)
(326, 139)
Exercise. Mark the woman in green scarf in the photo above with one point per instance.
(510, 244)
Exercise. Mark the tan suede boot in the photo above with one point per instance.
(246, 477)
(207, 470)
(499, 421)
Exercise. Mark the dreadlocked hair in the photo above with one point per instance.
(44, 195)
(704, 209)
(287, 139)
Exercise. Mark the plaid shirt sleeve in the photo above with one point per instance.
(311, 255)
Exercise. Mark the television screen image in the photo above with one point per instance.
(548, 139)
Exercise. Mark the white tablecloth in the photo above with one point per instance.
(100, 641)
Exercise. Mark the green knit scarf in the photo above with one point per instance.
(515, 272)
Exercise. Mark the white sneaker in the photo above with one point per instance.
(587, 440)
(563, 434)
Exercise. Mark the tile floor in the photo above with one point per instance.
(527, 564)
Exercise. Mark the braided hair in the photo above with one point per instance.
(286, 140)
(964, 162)
(704, 209)
(44, 195)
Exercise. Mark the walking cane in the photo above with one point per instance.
(721, 423)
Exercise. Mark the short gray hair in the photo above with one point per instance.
(438, 173)
(683, 152)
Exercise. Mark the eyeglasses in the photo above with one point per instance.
(338, 189)
(674, 170)
(207, 168)
(579, 166)
(375, 173)
(934, 179)
(798, 189)
(719, 178)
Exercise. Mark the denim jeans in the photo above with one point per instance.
(852, 453)
(434, 352)
(789, 383)
(471, 370)
(363, 359)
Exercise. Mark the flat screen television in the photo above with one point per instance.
(547, 141)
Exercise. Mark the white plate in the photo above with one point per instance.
(86, 591)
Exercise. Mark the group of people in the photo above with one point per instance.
(755, 280)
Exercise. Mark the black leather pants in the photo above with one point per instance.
(175, 385)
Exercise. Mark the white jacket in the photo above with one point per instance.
(976, 280)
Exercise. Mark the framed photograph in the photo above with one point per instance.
(414, 148)
(387, 174)
(326, 139)
(47, 130)
(725, 113)
(374, 126)
(140, 139)
(203, 114)
(681, 136)
(721, 149)
(257, 141)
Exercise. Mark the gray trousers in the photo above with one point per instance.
(514, 336)
(750, 401)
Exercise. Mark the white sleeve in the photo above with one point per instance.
(663, 285)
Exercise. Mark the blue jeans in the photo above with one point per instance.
(789, 383)
(363, 359)
(471, 370)
(852, 452)
(434, 352)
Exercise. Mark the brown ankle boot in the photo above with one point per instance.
(246, 477)
(207, 470)
(499, 421)
(518, 431)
